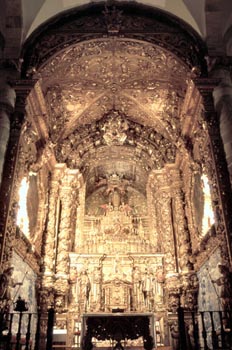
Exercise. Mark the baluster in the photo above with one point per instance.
(230, 327)
(28, 335)
(2, 317)
(183, 343)
(37, 335)
(195, 331)
(8, 345)
(51, 314)
(223, 343)
(18, 336)
(213, 332)
(204, 334)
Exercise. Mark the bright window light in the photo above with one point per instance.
(208, 216)
(22, 217)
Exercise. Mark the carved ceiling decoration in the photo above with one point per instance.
(125, 20)
(84, 82)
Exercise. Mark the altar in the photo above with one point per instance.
(118, 330)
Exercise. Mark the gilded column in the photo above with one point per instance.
(163, 200)
(152, 213)
(188, 277)
(65, 233)
(52, 226)
(180, 224)
(79, 239)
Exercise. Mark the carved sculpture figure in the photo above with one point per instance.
(136, 288)
(84, 288)
(147, 289)
(97, 280)
(225, 282)
(175, 335)
(6, 285)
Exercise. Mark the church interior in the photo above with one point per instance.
(116, 172)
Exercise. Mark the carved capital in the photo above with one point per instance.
(206, 87)
(22, 88)
(173, 289)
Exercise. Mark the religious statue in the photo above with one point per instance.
(116, 192)
(136, 288)
(225, 282)
(6, 285)
(147, 289)
(158, 285)
(97, 280)
(174, 329)
(125, 208)
(84, 289)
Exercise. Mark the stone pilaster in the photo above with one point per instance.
(222, 95)
(22, 88)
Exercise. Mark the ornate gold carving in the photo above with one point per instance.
(117, 281)
(114, 129)
(95, 90)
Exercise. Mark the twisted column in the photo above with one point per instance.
(182, 235)
(52, 225)
(163, 204)
(65, 232)
(9, 155)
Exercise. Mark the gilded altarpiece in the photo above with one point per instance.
(113, 263)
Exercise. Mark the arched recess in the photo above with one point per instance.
(117, 121)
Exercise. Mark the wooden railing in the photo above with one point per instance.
(26, 331)
(203, 330)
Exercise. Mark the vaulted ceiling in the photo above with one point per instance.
(84, 82)
(114, 107)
